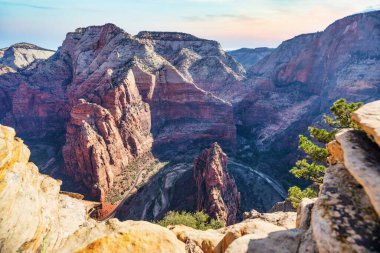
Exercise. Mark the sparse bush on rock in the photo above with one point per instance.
(197, 220)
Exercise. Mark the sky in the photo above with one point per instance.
(234, 23)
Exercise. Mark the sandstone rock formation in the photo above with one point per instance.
(227, 239)
(118, 237)
(34, 216)
(200, 61)
(217, 193)
(92, 92)
(368, 119)
(189, 94)
(250, 56)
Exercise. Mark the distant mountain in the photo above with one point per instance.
(248, 56)
(21, 55)
(107, 100)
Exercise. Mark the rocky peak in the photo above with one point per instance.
(217, 193)
(201, 61)
(21, 55)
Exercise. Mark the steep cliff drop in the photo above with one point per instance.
(36, 217)
(217, 193)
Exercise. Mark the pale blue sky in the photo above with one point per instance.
(234, 23)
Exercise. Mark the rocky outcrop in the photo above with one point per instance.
(21, 55)
(283, 206)
(346, 216)
(34, 216)
(232, 238)
(250, 56)
(101, 141)
(128, 236)
(217, 193)
(367, 117)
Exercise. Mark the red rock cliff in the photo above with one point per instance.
(217, 193)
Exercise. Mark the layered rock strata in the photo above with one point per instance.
(113, 97)
(217, 193)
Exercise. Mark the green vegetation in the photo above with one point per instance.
(313, 167)
(198, 220)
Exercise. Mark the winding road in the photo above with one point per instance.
(275, 185)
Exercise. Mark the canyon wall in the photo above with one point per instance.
(122, 96)
(36, 217)
(295, 85)
(114, 99)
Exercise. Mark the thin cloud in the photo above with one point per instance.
(40, 7)
(46, 7)
(220, 16)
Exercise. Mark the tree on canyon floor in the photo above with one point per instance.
(313, 167)
(198, 220)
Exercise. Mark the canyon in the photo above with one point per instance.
(343, 218)
(119, 117)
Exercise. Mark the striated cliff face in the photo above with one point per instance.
(201, 61)
(36, 217)
(114, 98)
(217, 193)
(294, 86)
(110, 98)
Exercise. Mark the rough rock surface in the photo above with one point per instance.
(217, 193)
(218, 241)
(283, 206)
(368, 118)
(250, 56)
(343, 218)
(361, 158)
(128, 236)
(21, 55)
(33, 215)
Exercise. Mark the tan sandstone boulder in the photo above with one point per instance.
(129, 236)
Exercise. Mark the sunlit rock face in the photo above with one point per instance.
(34, 216)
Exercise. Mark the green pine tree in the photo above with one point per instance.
(313, 167)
